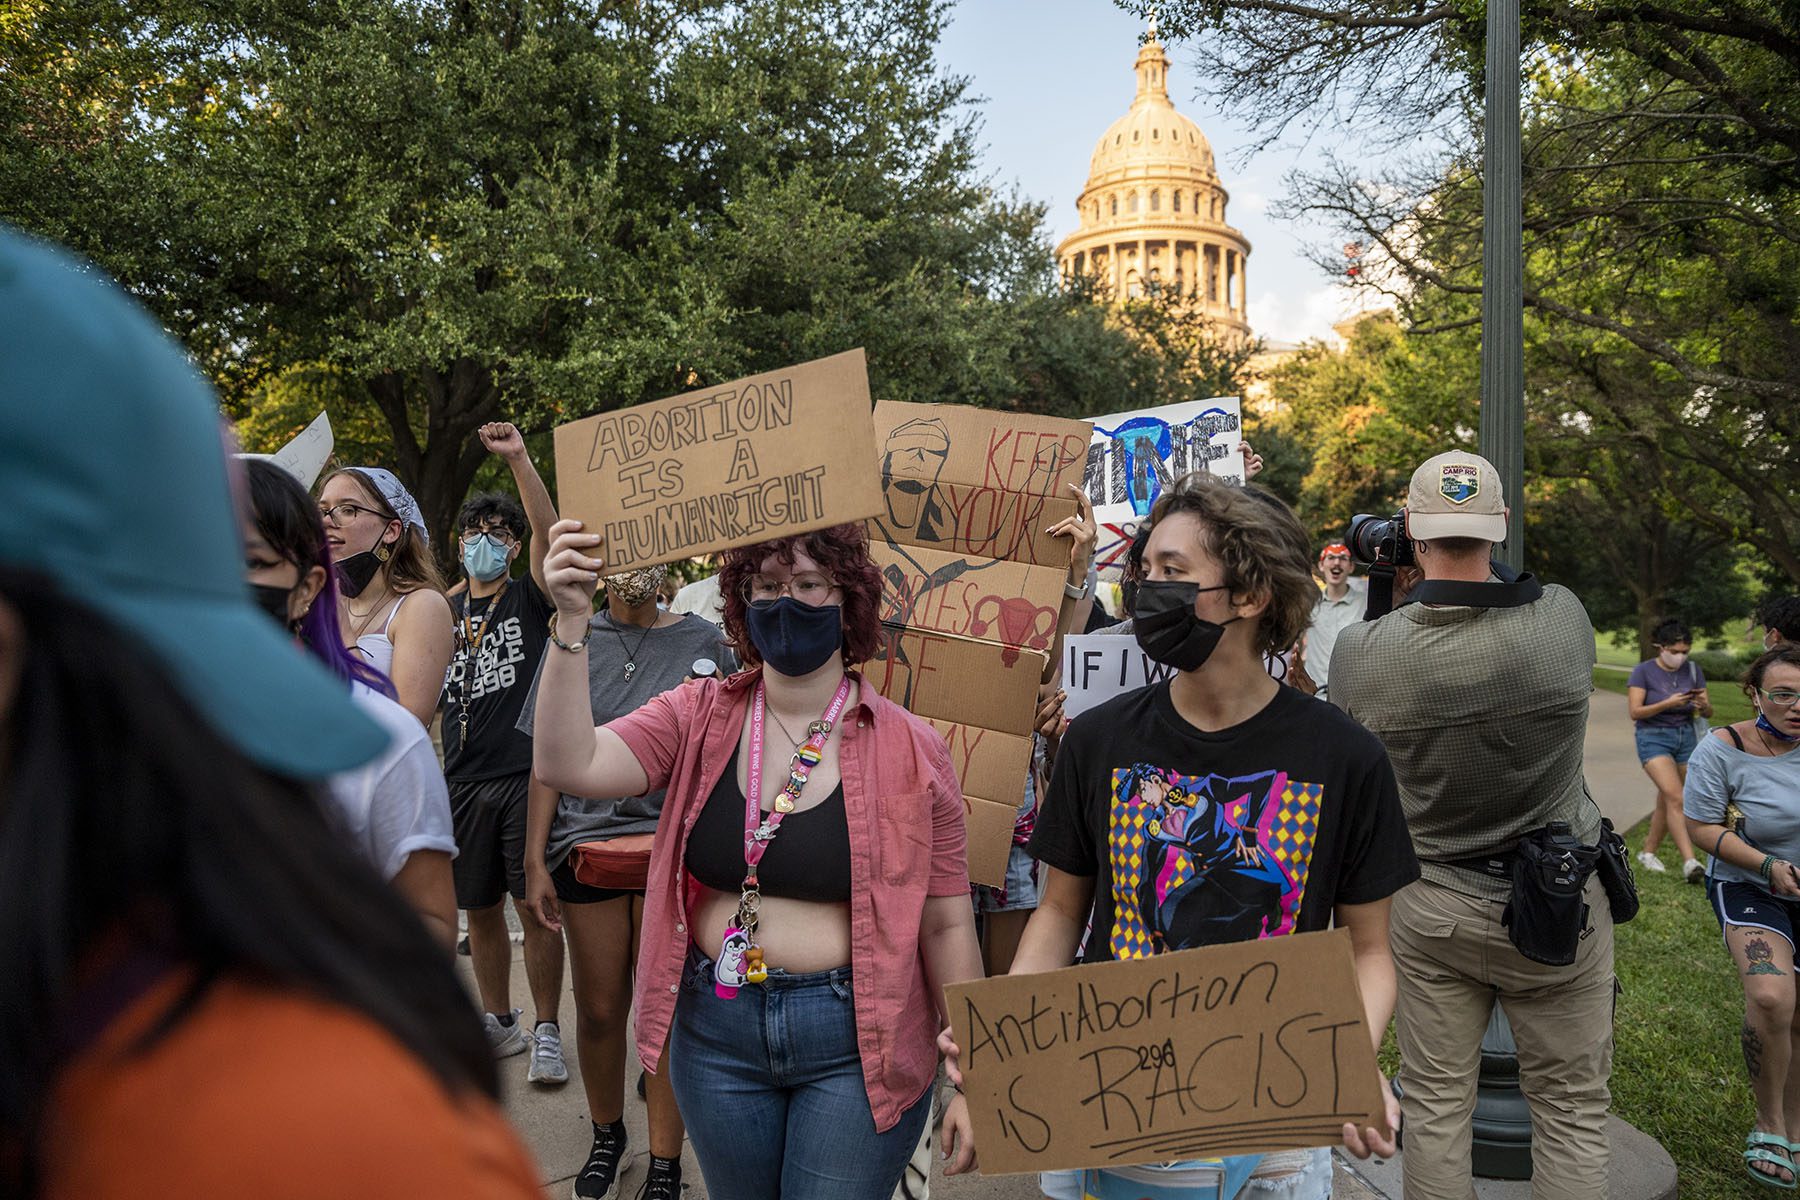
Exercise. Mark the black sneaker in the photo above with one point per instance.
(600, 1178)
(664, 1180)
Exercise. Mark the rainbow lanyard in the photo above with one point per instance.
(740, 958)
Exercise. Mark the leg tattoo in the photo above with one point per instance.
(1753, 1051)
(1758, 952)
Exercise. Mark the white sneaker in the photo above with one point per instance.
(1693, 871)
(1650, 862)
(505, 1040)
(546, 1055)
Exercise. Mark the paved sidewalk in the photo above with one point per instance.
(554, 1122)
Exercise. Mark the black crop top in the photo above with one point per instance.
(808, 860)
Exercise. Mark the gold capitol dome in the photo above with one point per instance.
(1153, 210)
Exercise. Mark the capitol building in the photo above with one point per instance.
(1153, 210)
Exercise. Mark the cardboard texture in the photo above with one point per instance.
(1134, 455)
(990, 829)
(968, 481)
(988, 762)
(749, 461)
(988, 599)
(1234, 1049)
(946, 678)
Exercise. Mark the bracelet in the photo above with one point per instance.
(1768, 868)
(1074, 591)
(578, 647)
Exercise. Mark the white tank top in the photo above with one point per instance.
(378, 648)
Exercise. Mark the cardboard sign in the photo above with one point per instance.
(989, 599)
(990, 829)
(989, 763)
(754, 460)
(1234, 1049)
(1100, 666)
(1134, 455)
(971, 482)
(940, 677)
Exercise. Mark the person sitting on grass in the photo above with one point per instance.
(1743, 804)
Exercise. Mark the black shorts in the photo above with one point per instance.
(571, 890)
(489, 818)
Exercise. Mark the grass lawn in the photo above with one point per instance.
(1728, 699)
(1678, 1074)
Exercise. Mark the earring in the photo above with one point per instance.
(382, 552)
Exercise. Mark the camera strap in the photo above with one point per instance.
(1522, 591)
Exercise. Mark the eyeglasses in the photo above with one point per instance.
(807, 588)
(344, 512)
(1781, 697)
(499, 539)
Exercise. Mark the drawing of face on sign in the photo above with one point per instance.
(1022, 623)
(1140, 450)
(910, 464)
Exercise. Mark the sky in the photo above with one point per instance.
(1051, 75)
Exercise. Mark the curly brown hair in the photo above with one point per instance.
(842, 553)
(1260, 543)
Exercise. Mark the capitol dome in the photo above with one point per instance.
(1153, 210)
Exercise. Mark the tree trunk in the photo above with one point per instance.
(457, 402)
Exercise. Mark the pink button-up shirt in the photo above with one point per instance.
(904, 808)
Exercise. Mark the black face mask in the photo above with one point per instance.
(795, 639)
(355, 572)
(1167, 629)
(274, 601)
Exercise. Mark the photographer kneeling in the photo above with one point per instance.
(1479, 688)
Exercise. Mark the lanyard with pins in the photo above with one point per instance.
(740, 957)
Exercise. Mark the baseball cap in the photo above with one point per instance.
(1456, 495)
(114, 466)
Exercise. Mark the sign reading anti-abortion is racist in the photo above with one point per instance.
(765, 457)
(1236, 1049)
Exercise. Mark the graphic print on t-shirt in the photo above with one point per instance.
(1200, 860)
(498, 661)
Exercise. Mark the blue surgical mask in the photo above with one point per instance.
(485, 561)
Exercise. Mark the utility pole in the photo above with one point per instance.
(1502, 1126)
(1503, 275)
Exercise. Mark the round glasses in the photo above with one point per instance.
(807, 588)
(499, 539)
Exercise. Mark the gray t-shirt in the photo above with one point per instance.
(664, 658)
(1765, 790)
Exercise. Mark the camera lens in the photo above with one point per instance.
(1366, 535)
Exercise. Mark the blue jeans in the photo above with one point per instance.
(770, 1085)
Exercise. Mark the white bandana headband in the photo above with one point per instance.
(398, 498)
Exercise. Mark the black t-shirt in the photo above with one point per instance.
(1198, 839)
(512, 642)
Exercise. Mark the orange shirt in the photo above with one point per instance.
(273, 1095)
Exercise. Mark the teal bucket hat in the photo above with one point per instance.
(113, 465)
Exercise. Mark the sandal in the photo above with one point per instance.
(1760, 1147)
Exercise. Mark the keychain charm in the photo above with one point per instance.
(728, 968)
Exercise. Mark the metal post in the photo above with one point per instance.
(1503, 275)
(1502, 1128)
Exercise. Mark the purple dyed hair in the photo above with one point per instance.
(288, 520)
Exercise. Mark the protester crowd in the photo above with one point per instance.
(232, 858)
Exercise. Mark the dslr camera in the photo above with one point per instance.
(1380, 541)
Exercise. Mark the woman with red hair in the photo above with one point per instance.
(808, 891)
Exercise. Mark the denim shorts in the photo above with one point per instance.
(1021, 886)
(1312, 1181)
(770, 1085)
(1666, 741)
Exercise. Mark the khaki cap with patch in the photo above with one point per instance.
(1456, 495)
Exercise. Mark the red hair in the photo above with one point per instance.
(842, 553)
